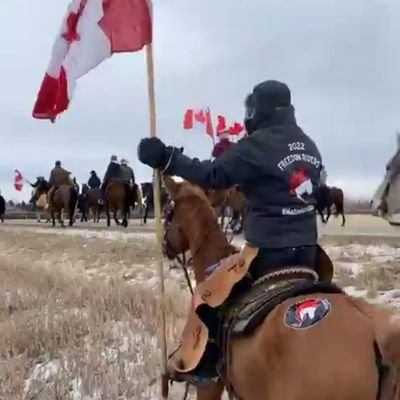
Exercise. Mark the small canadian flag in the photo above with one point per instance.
(199, 119)
(18, 181)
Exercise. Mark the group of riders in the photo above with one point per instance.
(117, 171)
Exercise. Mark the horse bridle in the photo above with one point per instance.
(169, 213)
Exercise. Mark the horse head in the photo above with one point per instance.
(189, 218)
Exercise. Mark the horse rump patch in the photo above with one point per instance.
(306, 313)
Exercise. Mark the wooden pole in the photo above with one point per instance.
(157, 214)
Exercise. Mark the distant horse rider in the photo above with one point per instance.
(35, 185)
(223, 144)
(94, 181)
(112, 174)
(128, 179)
(58, 177)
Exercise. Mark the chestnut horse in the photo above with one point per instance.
(65, 198)
(95, 208)
(115, 200)
(327, 197)
(351, 354)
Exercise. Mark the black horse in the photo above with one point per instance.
(326, 197)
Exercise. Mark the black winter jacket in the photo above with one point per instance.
(278, 168)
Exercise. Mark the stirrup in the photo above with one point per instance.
(196, 377)
(193, 378)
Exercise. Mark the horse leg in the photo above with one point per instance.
(108, 215)
(126, 211)
(115, 216)
(328, 213)
(99, 210)
(53, 217)
(60, 218)
(125, 218)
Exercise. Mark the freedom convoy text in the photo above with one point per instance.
(290, 159)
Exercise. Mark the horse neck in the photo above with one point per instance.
(208, 250)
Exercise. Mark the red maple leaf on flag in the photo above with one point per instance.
(236, 128)
(127, 24)
(71, 35)
(200, 116)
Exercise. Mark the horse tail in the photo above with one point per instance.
(340, 203)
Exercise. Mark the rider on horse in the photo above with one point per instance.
(128, 179)
(35, 185)
(278, 168)
(58, 176)
(113, 173)
(94, 181)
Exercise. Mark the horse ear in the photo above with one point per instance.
(170, 185)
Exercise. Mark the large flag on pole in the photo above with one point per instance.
(92, 31)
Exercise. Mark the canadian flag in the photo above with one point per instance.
(236, 129)
(199, 119)
(18, 181)
(92, 31)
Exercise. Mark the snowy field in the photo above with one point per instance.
(78, 307)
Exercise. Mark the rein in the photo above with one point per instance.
(181, 257)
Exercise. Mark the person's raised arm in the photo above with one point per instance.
(234, 166)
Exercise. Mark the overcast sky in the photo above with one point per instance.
(340, 58)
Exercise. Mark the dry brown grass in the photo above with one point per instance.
(79, 316)
(70, 332)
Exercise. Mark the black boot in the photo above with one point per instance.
(205, 373)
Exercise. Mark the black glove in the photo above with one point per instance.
(152, 151)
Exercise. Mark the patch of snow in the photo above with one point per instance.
(353, 291)
(352, 267)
